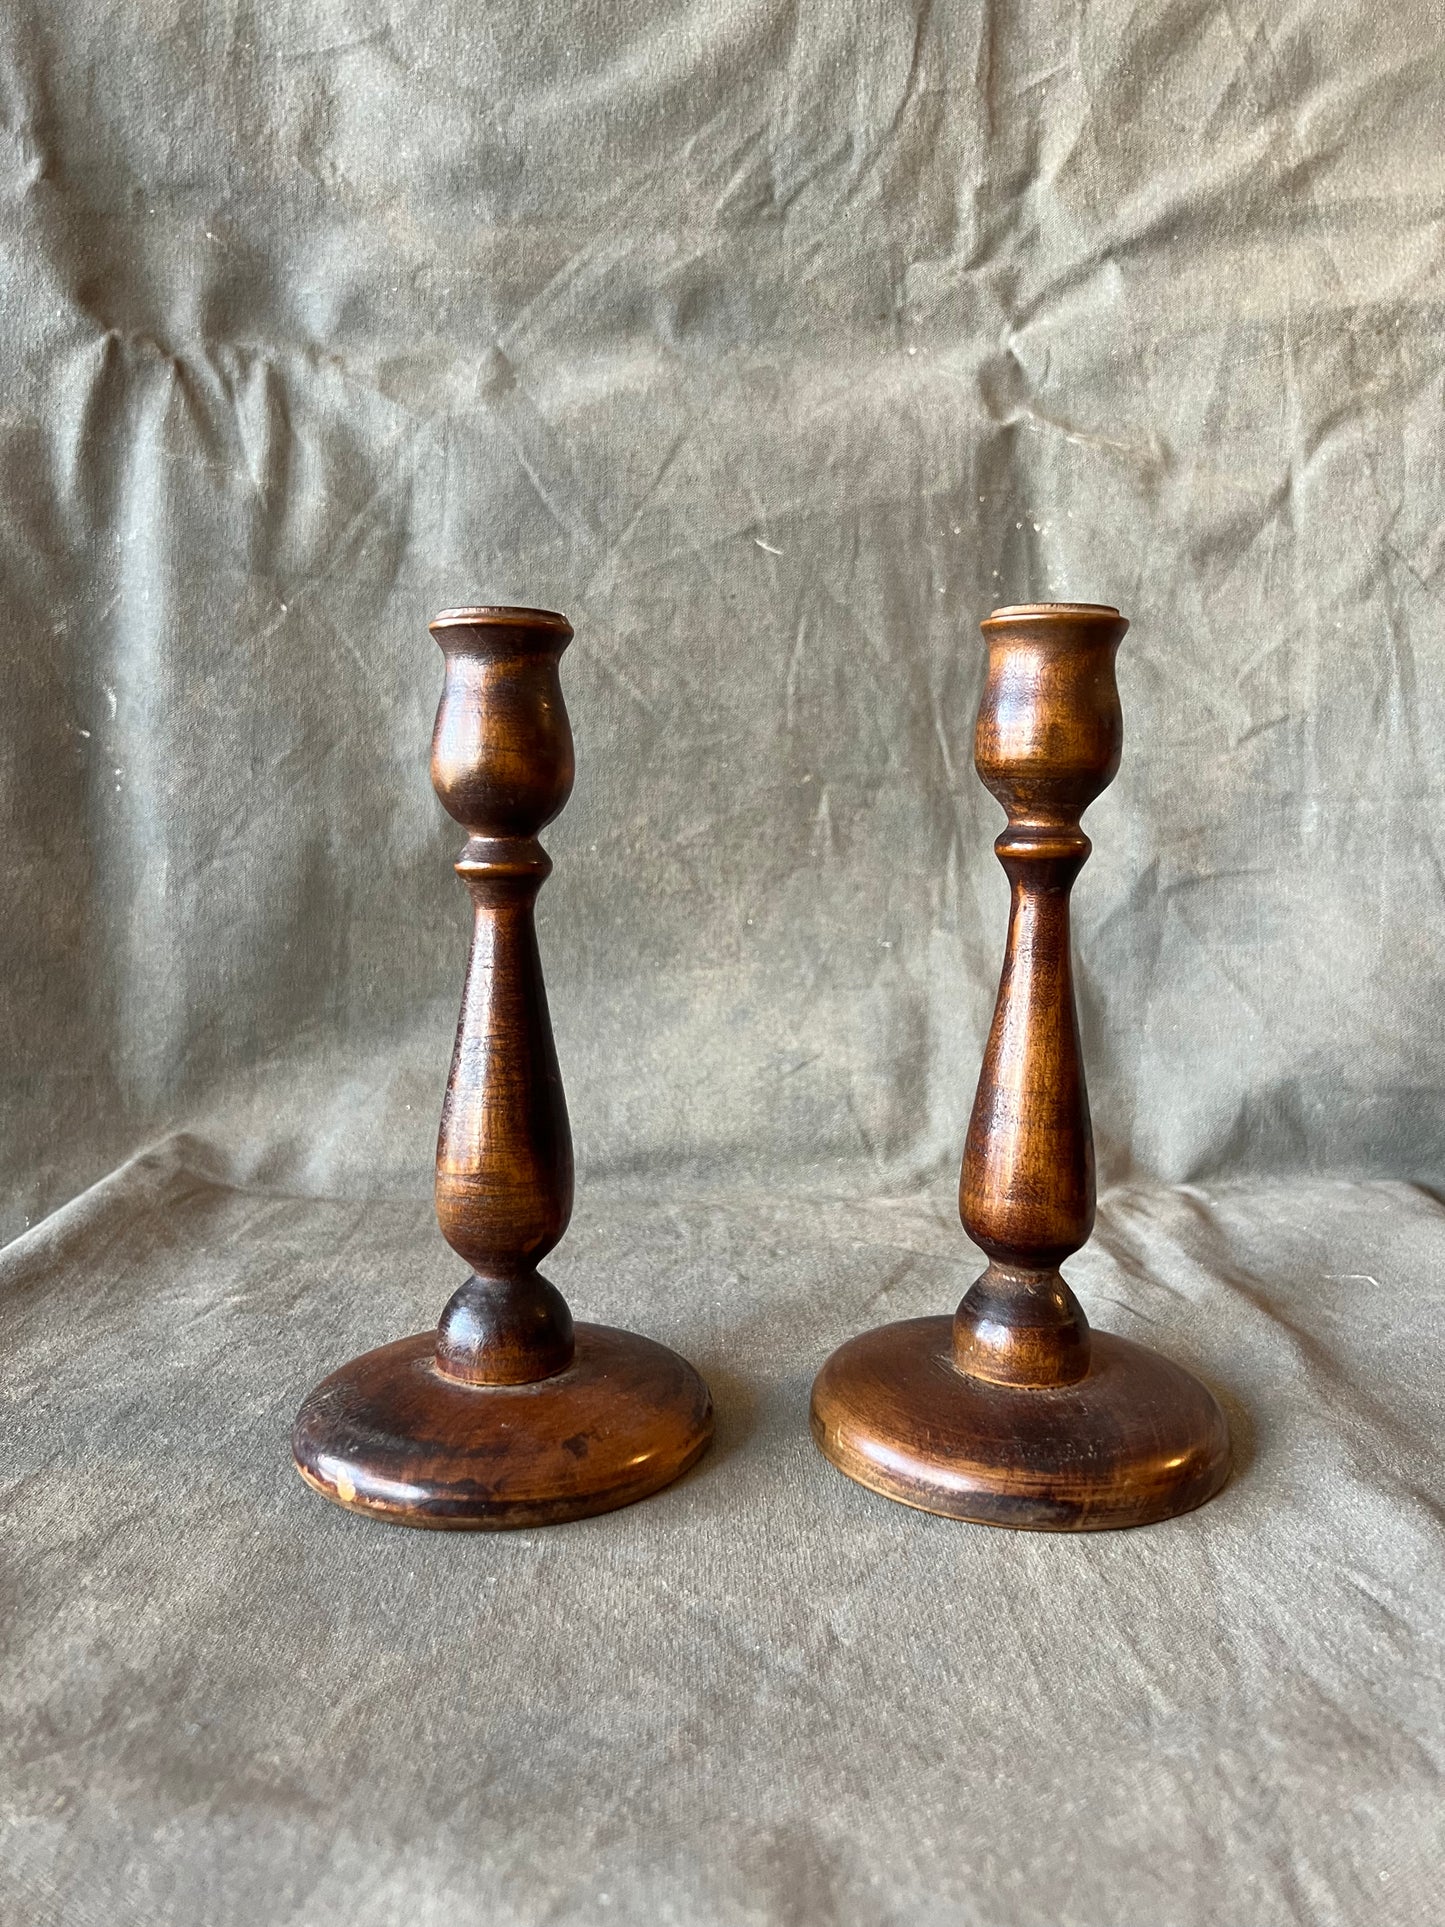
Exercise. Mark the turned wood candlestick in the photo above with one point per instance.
(507, 1414)
(1014, 1412)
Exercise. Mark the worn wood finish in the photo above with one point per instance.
(1013, 1412)
(1136, 1439)
(507, 1414)
(393, 1436)
(502, 765)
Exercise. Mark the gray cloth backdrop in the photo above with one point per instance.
(775, 343)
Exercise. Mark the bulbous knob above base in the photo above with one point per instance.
(505, 1331)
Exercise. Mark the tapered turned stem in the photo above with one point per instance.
(502, 765)
(505, 1415)
(1048, 741)
(1012, 1411)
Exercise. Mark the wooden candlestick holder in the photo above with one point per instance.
(1013, 1412)
(507, 1414)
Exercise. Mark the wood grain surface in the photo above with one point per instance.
(507, 1414)
(1013, 1412)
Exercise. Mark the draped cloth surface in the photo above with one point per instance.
(775, 343)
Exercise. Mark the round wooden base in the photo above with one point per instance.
(1137, 1439)
(390, 1436)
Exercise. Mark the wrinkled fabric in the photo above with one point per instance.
(765, 1695)
(775, 343)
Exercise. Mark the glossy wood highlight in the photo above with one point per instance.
(1013, 1412)
(507, 1414)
